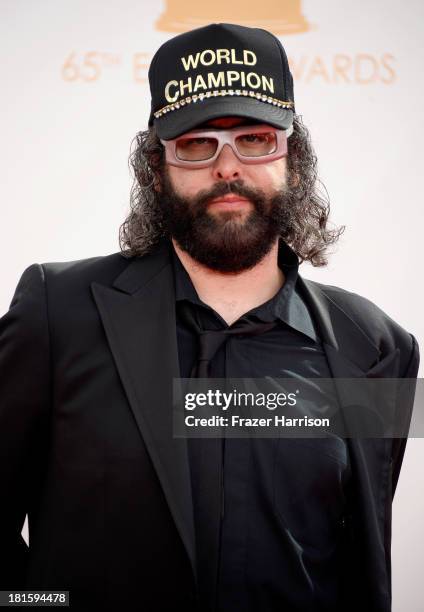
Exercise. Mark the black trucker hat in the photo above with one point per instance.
(216, 71)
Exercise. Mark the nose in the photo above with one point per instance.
(227, 166)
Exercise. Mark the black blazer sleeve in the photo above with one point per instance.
(24, 410)
(404, 411)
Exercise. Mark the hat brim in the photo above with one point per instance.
(176, 122)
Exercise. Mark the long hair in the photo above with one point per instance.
(309, 235)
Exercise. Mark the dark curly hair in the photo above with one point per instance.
(308, 234)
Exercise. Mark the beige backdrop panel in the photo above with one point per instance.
(75, 94)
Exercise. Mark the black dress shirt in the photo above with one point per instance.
(268, 512)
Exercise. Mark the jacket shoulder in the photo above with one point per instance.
(361, 309)
(67, 283)
(349, 300)
(102, 268)
(386, 333)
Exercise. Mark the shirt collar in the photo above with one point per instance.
(286, 305)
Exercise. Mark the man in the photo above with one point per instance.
(122, 513)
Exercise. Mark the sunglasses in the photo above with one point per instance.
(252, 144)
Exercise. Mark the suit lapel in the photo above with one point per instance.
(351, 354)
(138, 315)
(350, 351)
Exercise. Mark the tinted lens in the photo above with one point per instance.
(256, 145)
(195, 149)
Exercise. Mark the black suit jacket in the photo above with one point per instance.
(87, 351)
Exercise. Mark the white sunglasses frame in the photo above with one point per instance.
(228, 137)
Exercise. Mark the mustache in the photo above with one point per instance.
(223, 188)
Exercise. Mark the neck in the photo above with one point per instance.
(233, 294)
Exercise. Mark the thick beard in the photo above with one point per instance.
(224, 242)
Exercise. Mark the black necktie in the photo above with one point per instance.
(207, 455)
(210, 340)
